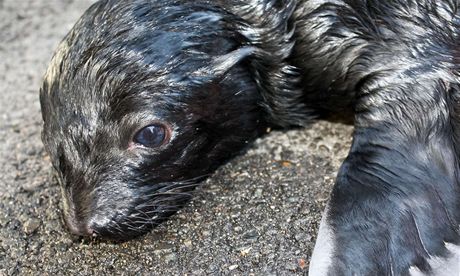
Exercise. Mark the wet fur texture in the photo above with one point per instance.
(220, 72)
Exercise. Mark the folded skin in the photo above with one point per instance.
(144, 99)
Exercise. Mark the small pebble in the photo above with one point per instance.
(291, 266)
(302, 263)
(245, 252)
(31, 226)
(32, 187)
(188, 243)
(286, 164)
(250, 235)
(170, 257)
(258, 193)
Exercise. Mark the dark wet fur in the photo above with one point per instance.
(131, 71)
(224, 70)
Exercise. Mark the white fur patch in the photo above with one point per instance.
(321, 259)
(449, 266)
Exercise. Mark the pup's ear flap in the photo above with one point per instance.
(220, 65)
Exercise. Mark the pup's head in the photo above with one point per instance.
(142, 100)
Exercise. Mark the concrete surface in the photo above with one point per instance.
(258, 215)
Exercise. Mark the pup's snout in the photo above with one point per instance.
(79, 228)
(76, 221)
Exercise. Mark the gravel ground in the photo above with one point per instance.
(258, 215)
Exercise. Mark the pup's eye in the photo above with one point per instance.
(151, 136)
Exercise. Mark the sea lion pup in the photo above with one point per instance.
(145, 98)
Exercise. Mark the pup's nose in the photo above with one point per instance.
(78, 228)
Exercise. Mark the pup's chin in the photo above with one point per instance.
(121, 231)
